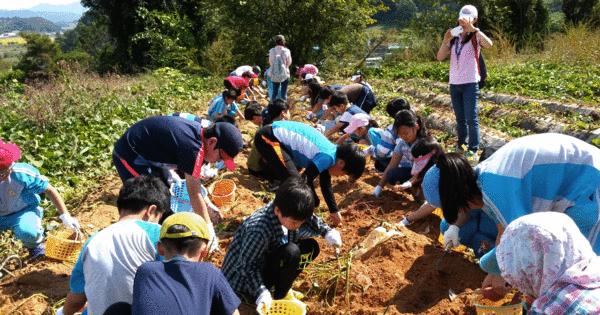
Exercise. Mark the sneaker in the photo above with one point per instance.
(37, 252)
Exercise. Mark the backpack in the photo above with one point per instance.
(277, 73)
(480, 65)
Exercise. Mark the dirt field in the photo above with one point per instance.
(396, 277)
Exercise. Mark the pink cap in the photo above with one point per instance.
(9, 153)
(357, 121)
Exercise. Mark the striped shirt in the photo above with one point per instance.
(260, 234)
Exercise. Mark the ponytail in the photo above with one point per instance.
(407, 117)
(274, 110)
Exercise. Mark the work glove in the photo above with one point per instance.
(310, 116)
(367, 151)
(321, 128)
(376, 191)
(333, 238)
(69, 221)
(405, 185)
(451, 239)
(214, 241)
(263, 302)
(208, 171)
(404, 222)
(59, 311)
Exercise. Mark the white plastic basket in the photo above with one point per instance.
(180, 200)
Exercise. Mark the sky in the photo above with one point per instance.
(26, 4)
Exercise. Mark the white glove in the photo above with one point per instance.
(310, 116)
(404, 222)
(303, 108)
(214, 241)
(213, 211)
(367, 151)
(451, 239)
(69, 221)
(376, 191)
(302, 98)
(405, 185)
(333, 238)
(59, 311)
(208, 171)
(266, 299)
(321, 128)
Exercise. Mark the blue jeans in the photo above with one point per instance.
(398, 175)
(464, 101)
(269, 87)
(277, 93)
(27, 225)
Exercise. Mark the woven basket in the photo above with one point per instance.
(59, 246)
(362, 148)
(222, 192)
(180, 200)
(285, 307)
(484, 306)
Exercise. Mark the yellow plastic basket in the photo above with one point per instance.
(362, 148)
(285, 307)
(484, 306)
(64, 245)
(222, 192)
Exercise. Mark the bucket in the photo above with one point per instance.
(222, 192)
(484, 306)
(64, 245)
(285, 307)
(362, 148)
(180, 200)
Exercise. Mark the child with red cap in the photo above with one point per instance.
(20, 211)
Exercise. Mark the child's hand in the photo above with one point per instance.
(69, 221)
(263, 302)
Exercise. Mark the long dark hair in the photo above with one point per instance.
(407, 117)
(274, 109)
(469, 35)
(458, 184)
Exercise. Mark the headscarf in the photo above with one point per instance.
(542, 250)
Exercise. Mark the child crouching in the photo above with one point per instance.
(266, 251)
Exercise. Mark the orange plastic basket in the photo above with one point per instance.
(484, 306)
(60, 245)
(222, 192)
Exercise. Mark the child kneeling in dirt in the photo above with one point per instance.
(182, 284)
(266, 250)
(20, 209)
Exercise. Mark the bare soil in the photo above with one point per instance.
(396, 277)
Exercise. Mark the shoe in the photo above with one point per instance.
(37, 252)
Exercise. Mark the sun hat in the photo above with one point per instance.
(431, 187)
(230, 140)
(355, 76)
(420, 162)
(9, 153)
(357, 121)
(195, 223)
(468, 11)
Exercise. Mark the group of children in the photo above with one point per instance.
(153, 254)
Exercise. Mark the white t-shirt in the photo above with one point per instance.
(108, 261)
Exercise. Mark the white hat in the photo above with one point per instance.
(468, 11)
(357, 121)
(309, 76)
(354, 77)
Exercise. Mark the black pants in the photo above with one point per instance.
(284, 264)
(276, 156)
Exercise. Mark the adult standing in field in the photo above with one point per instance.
(539, 173)
(280, 60)
(167, 142)
(462, 43)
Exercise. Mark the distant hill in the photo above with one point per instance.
(74, 7)
(54, 17)
(34, 24)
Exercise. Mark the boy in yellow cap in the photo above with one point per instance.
(181, 284)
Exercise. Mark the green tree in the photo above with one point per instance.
(40, 55)
(577, 11)
(400, 13)
(311, 27)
